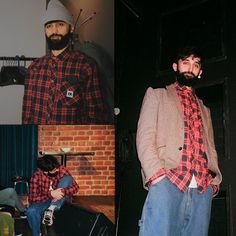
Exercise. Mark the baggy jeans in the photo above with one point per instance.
(168, 211)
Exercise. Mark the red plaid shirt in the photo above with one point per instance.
(63, 90)
(40, 184)
(194, 160)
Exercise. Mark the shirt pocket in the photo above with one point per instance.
(71, 92)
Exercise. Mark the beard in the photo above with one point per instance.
(58, 44)
(186, 79)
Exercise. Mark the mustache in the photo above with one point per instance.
(60, 35)
(188, 73)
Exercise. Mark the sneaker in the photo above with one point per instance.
(23, 215)
(20, 215)
(48, 217)
(18, 233)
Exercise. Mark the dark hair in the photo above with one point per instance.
(47, 163)
(187, 51)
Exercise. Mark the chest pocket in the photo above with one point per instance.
(71, 91)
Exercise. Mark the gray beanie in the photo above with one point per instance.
(56, 11)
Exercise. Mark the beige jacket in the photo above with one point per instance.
(160, 133)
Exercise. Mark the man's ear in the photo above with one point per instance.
(174, 66)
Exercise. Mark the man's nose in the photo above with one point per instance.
(54, 29)
(190, 69)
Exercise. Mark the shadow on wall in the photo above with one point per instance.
(86, 167)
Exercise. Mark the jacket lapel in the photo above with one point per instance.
(173, 98)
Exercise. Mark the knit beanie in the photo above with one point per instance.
(56, 11)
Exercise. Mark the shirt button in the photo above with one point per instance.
(180, 148)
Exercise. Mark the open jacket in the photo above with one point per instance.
(160, 133)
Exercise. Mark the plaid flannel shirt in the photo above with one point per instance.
(194, 160)
(63, 90)
(41, 183)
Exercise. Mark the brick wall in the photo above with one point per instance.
(95, 174)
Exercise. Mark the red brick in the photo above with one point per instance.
(94, 174)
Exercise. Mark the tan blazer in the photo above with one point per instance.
(160, 133)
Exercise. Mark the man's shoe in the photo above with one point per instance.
(23, 215)
(20, 215)
(48, 217)
(18, 233)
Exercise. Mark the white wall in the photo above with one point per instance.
(21, 33)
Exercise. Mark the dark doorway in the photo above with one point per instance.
(215, 97)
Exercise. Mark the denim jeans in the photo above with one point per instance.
(167, 211)
(36, 210)
(8, 196)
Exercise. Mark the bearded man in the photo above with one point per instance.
(175, 145)
(62, 87)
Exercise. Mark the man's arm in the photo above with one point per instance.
(35, 191)
(217, 177)
(96, 109)
(27, 100)
(146, 132)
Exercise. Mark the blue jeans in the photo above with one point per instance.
(36, 210)
(167, 211)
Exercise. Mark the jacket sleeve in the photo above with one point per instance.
(146, 132)
(213, 158)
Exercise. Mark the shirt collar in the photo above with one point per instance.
(62, 56)
(183, 89)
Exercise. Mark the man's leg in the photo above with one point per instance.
(163, 210)
(9, 196)
(197, 222)
(65, 182)
(34, 213)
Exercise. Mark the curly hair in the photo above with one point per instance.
(47, 163)
(187, 51)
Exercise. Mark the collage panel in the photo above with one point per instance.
(66, 170)
(175, 134)
(57, 132)
(60, 67)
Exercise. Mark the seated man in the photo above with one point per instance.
(8, 196)
(50, 186)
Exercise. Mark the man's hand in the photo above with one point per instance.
(57, 194)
